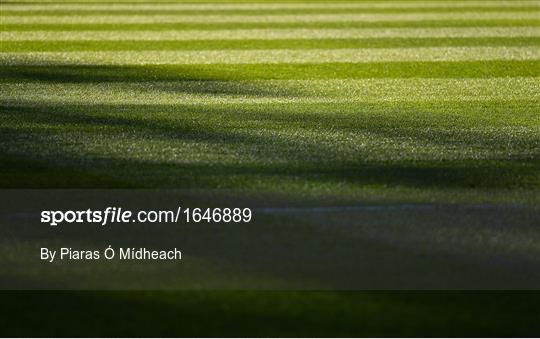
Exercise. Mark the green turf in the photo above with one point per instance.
(425, 104)
(455, 69)
(37, 46)
(219, 26)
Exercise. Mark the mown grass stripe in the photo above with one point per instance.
(266, 25)
(273, 91)
(271, 56)
(262, 6)
(334, 11)
(455, 69)
(421, 16)
(134, 45)
(270, 34)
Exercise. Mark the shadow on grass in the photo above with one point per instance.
(187, 79)
(30, 158)
(224, 72)
(28, 131)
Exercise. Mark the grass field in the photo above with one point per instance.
(315, 104)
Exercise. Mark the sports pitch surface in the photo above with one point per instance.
(408, 125)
